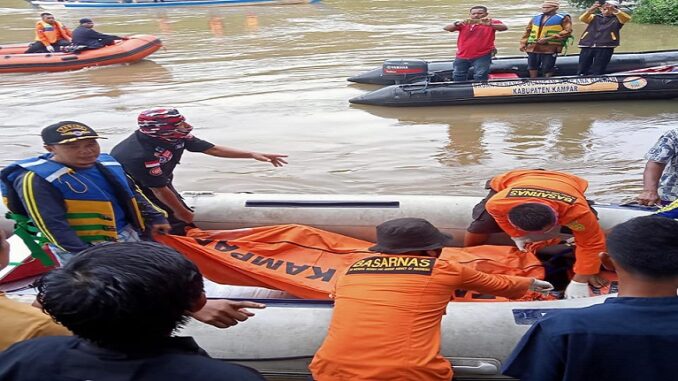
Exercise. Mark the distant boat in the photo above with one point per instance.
(134, 49)
(152, 4)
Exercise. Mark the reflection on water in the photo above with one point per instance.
(272, 78)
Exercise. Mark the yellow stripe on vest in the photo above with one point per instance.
(33, 209)
(104, 226)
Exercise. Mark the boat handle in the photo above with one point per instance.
(482, 368)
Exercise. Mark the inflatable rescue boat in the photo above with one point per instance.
(13, 59)
(403, 71)
(282, 339)
(659, 83)
(126, 4)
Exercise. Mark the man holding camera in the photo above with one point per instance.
(475, 44)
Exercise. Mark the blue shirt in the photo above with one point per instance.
(623, 339)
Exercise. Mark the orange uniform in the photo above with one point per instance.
(387, 313)
(49, 34)
(562, 192)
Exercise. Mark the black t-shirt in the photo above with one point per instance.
(63, 358)
(151, 162)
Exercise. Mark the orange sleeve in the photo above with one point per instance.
(40, 34)
(590, 241)
(511, 287)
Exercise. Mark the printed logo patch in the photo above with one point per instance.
(576, 226)
(542, 193)
(73, 129)
(393, 265)
(156, 171)
(151, 164)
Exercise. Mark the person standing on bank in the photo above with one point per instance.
(85, 35)
(388, 308)
(544, 38)
(536, 205)
(152, 152)
(601, 36)
(77, 196)
(475, 44)
(50, 35)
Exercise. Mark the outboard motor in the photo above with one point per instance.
(405, 70)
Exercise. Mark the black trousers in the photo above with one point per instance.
(39, 47)
(593, 61)
(178, 226)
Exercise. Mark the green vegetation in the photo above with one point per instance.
(656, 12)
(646, 11)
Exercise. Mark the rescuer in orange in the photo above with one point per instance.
(388, 308)
(50, 35)
(533, 205)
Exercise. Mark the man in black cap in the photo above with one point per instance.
(388, 308)
(85, 35)
(75, 195)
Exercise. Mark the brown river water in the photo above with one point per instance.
(273, 79)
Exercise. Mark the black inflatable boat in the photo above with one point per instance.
(658, 83)
(401, 71)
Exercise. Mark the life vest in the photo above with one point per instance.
(552, 26)
(89, 210)
(669, 211)
(48, 33)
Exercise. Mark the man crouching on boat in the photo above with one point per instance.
(388, 308)
(152, 152)
(536, 205)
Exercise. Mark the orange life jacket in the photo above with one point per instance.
(565, 194)
(48, 34)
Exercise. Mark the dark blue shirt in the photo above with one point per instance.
(151, 162)
(623, 339)
(91, 38)
(65, 358)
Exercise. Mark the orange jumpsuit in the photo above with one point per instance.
(562, 192)
(387, 314)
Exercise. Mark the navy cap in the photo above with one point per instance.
(66, 132)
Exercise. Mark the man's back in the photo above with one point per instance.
(386, 320)
(72, 358)
(624, 339)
